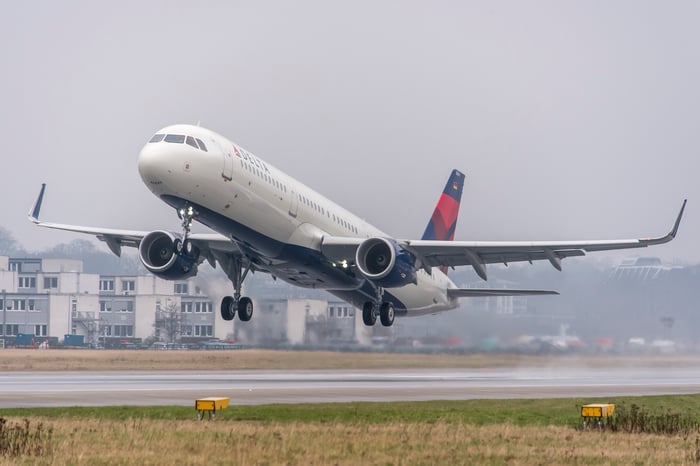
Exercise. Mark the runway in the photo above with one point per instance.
(33, 389)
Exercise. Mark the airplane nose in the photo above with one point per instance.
(149, 161)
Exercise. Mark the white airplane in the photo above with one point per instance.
(267, 221)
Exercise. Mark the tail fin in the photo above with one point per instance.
(444, 219)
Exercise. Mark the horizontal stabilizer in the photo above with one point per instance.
(488, 292)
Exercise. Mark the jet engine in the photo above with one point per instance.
(384, 262)
(165, 256)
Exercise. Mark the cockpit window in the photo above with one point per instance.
(180, 139)
(175, 138)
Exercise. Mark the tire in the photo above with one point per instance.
(228, 310)
(245, 309)
(369, 317)
(387, 314)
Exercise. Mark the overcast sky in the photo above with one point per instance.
(571, 120)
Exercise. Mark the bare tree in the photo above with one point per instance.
(168, 323)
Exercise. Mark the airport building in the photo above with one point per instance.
(51, 298)
(308, 322)
(47, 299)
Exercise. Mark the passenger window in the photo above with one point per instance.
(157, 138)
(201, 145)
(175, 138)
(190, 141)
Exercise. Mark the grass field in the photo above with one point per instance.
(450, 432)
(51, 360)
(474, 432)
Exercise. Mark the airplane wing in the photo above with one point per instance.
(478, 254)
(489, 292)
(211, 245)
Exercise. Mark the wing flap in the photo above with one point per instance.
(339, 248)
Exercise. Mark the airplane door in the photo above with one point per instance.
(294, 204)
(227, 172)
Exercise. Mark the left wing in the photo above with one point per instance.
(211, 245)
(478, 254)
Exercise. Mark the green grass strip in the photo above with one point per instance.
(521, 412)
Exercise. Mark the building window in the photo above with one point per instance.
(107, 285)
(185, 307)
(50, 282)
(105, 307)
(186, 330)
(17, 305)
(27, 282)
(180, 288)
(31, 305)
(11, 329)
(203, 330)
(40, 330)
(128, 285)
(123, 330)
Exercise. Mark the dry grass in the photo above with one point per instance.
(37, 360)
(256, 443)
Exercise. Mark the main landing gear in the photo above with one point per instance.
(242, 304)
(386, 313)
(233, 268)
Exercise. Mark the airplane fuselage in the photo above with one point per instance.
(275, 220)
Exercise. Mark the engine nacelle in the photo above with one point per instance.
(385, 263)
(163, 254)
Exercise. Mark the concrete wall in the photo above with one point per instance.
(8, 281)
(61, 265)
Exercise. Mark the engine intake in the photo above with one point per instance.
(163, 254)
(384, 262)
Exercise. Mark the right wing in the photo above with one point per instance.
(431, 253)
(490, 292)
(479, 253)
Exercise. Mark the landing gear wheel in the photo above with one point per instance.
(245, 309)
(386, 314)
(369, 316)
(228, 310)
(188, 247)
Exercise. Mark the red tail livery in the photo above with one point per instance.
(443, 222)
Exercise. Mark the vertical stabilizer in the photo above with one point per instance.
(444, 219)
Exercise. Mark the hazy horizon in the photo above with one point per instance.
(570, 120)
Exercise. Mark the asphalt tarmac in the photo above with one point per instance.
(32, 389)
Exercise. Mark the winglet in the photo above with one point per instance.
(678, 220)
(671, 234)
(34, 213)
